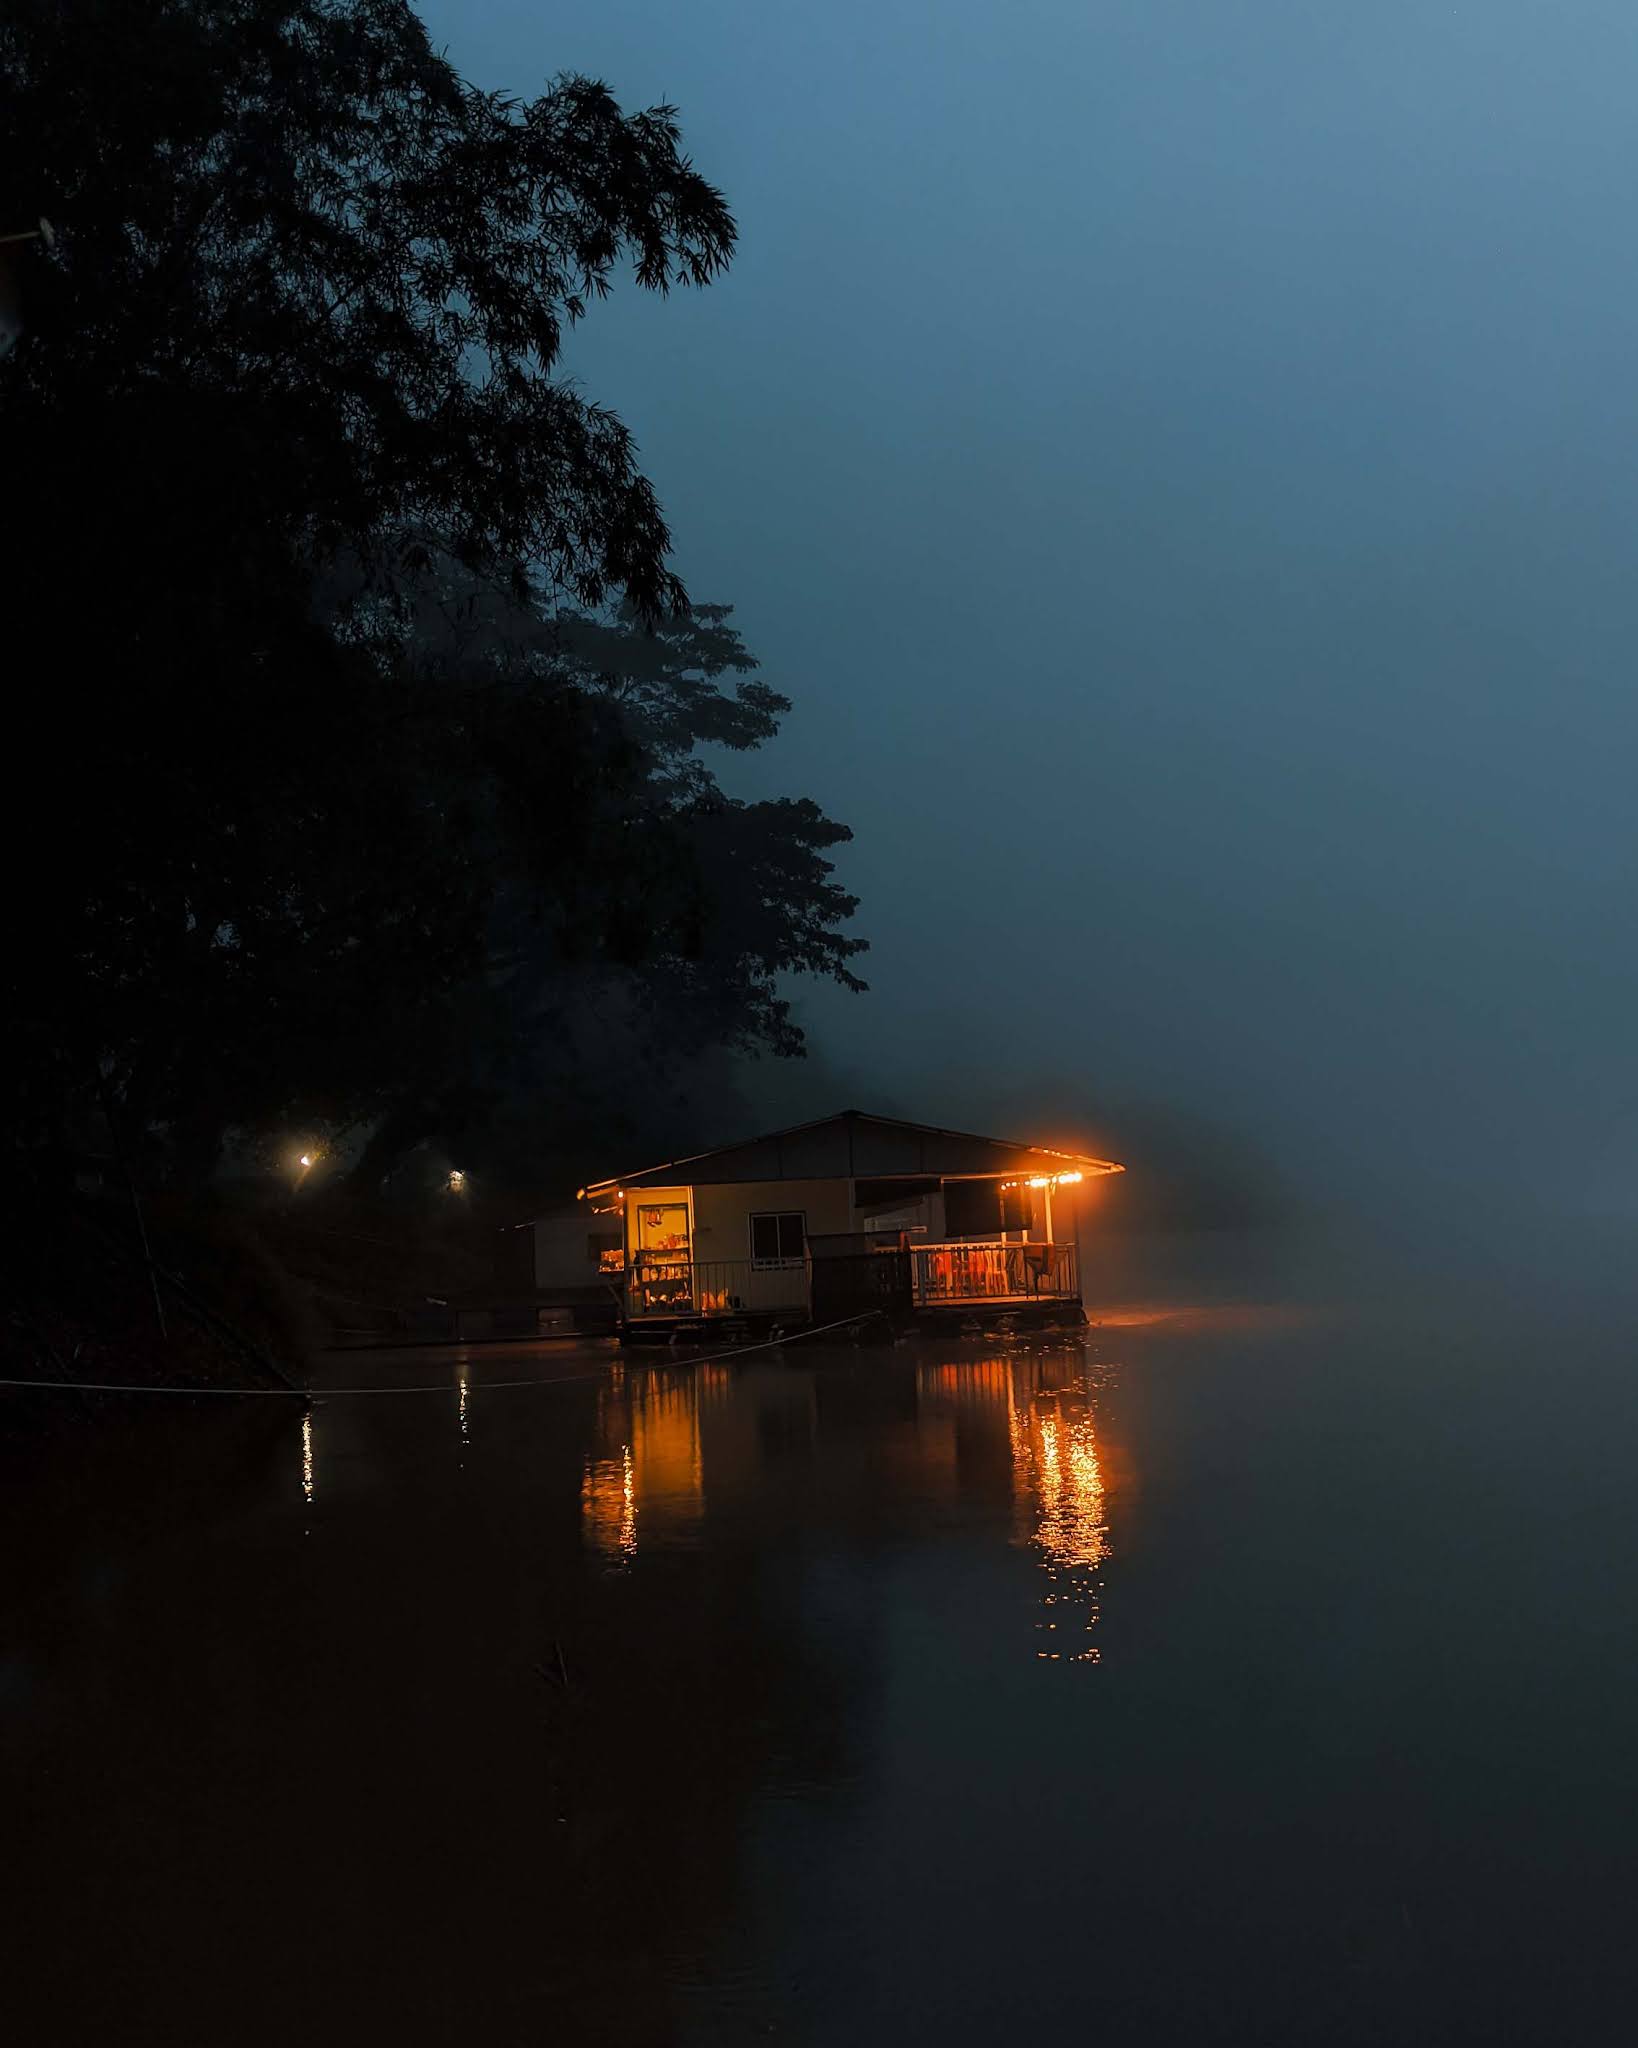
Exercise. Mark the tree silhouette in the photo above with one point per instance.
(364, 703)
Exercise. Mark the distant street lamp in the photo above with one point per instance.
(457, 1180)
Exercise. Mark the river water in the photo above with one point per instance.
(1259, 1667)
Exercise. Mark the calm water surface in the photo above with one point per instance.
(1259, 1668)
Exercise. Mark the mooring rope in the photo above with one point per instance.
(441, 1387)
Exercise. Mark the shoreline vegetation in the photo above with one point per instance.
(382, 719)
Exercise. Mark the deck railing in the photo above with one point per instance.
(990, 1272)
(937, 1274)
(715, 1287)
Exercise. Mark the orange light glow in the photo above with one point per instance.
(1049, 1180)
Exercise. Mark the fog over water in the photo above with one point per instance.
(1179, 459)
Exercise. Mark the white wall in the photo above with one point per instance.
(722, 1228)
(563, 1254)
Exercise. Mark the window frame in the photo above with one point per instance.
(776, 1216)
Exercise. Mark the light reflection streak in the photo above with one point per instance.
(608, 1506)
(1071, 1529)
(307, 1456)
(1056, 1480)
(466, 1435)
(1061, 1491)
(648, 1461)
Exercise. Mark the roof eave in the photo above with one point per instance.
(1099, 1168)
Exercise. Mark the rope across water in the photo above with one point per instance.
(441, 1387)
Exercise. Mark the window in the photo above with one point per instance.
(887, 1207)
(662, 1230)
(781, 1235)
(972, 1208)
(605, 1250)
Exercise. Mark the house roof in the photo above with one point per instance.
(855, 1144)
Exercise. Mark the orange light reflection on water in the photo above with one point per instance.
(1045, 1405)
(1063, 1512)
(608, 1506)
(1071, 1527)
(1018, 1429)
(650, 1466)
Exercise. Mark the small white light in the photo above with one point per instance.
(306, 1159)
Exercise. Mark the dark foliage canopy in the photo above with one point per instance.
(298, 207)
(363, 707)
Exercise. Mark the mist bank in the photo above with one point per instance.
(1450, 1173)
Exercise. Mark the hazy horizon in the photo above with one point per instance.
(1179, 463)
